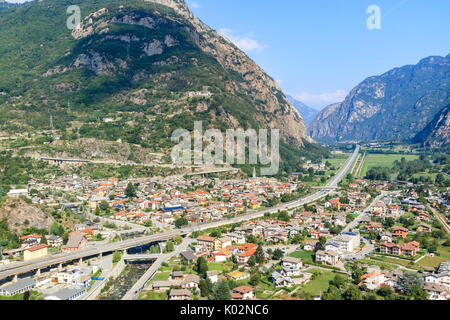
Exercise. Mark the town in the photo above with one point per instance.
(364, 239)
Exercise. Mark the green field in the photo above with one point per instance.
(304, 255)
(161, 276)
(320, 284)
(384, 160)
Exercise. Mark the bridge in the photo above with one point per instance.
(15, 269)
(141, 257)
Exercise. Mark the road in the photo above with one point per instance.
(53, 260)
(140, 284)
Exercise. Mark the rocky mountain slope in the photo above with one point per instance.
(437, 133)
(21, 215)
(308, 114)
(133, 70)
(395, 105)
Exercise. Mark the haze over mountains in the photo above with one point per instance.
(308, 114)
(394, 106)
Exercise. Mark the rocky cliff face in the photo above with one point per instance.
(21, 215)
(437, 133)
(395, 105)
(260, 85)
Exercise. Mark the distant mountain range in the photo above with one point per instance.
(308, 114)
(394, 106)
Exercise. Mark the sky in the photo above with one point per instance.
(319, 50)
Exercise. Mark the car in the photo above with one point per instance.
(353, 258)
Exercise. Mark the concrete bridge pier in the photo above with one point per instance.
(15, 278)
(80, 262)
(60, 267)
(38, 272)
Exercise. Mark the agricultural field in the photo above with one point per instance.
(383, 160)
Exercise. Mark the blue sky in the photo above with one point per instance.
(318, 50)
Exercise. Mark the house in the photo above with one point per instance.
(373, 280)
(190, 281)
(238, 275)
(180, 294)
(76, 241)
(177, 275)
(242, 293)
(378, 209)
(208, 243)
(386, 236)
(224, 242)
(54, 241)
(328, 257)
(436, 291)
(212, 275)
(400, 232)
(424, 228)
(36, 252)
(161, 286)
(30, 240)
(281, 281)
(21, 286)
(16, 193)
(189, 256)
(70, 293)
(409, 249)
(291, 266)
(442, 278)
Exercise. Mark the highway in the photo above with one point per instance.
(56, 259)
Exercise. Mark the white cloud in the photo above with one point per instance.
(321, 99)
(194, 5)
(244, 43)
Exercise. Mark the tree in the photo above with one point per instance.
(410, 283)
(104, 206)
(169, 246)
(204, 290)
(277, 254)
(181, 222)
(352, 293)
(259, 255)
(148, 223)
(252, 261)
(130, 191)
(116, 256)
(201, 266)
(339, 281)
(385, 292)
(221, 291)
(254, 279)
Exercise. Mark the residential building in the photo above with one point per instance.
(36, 252)
(21, 286)
(242, 293)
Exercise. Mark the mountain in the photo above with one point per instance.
(308, 114)
(395, 105)
(437, 133)
(133, 70)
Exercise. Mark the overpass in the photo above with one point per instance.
(58, 259)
